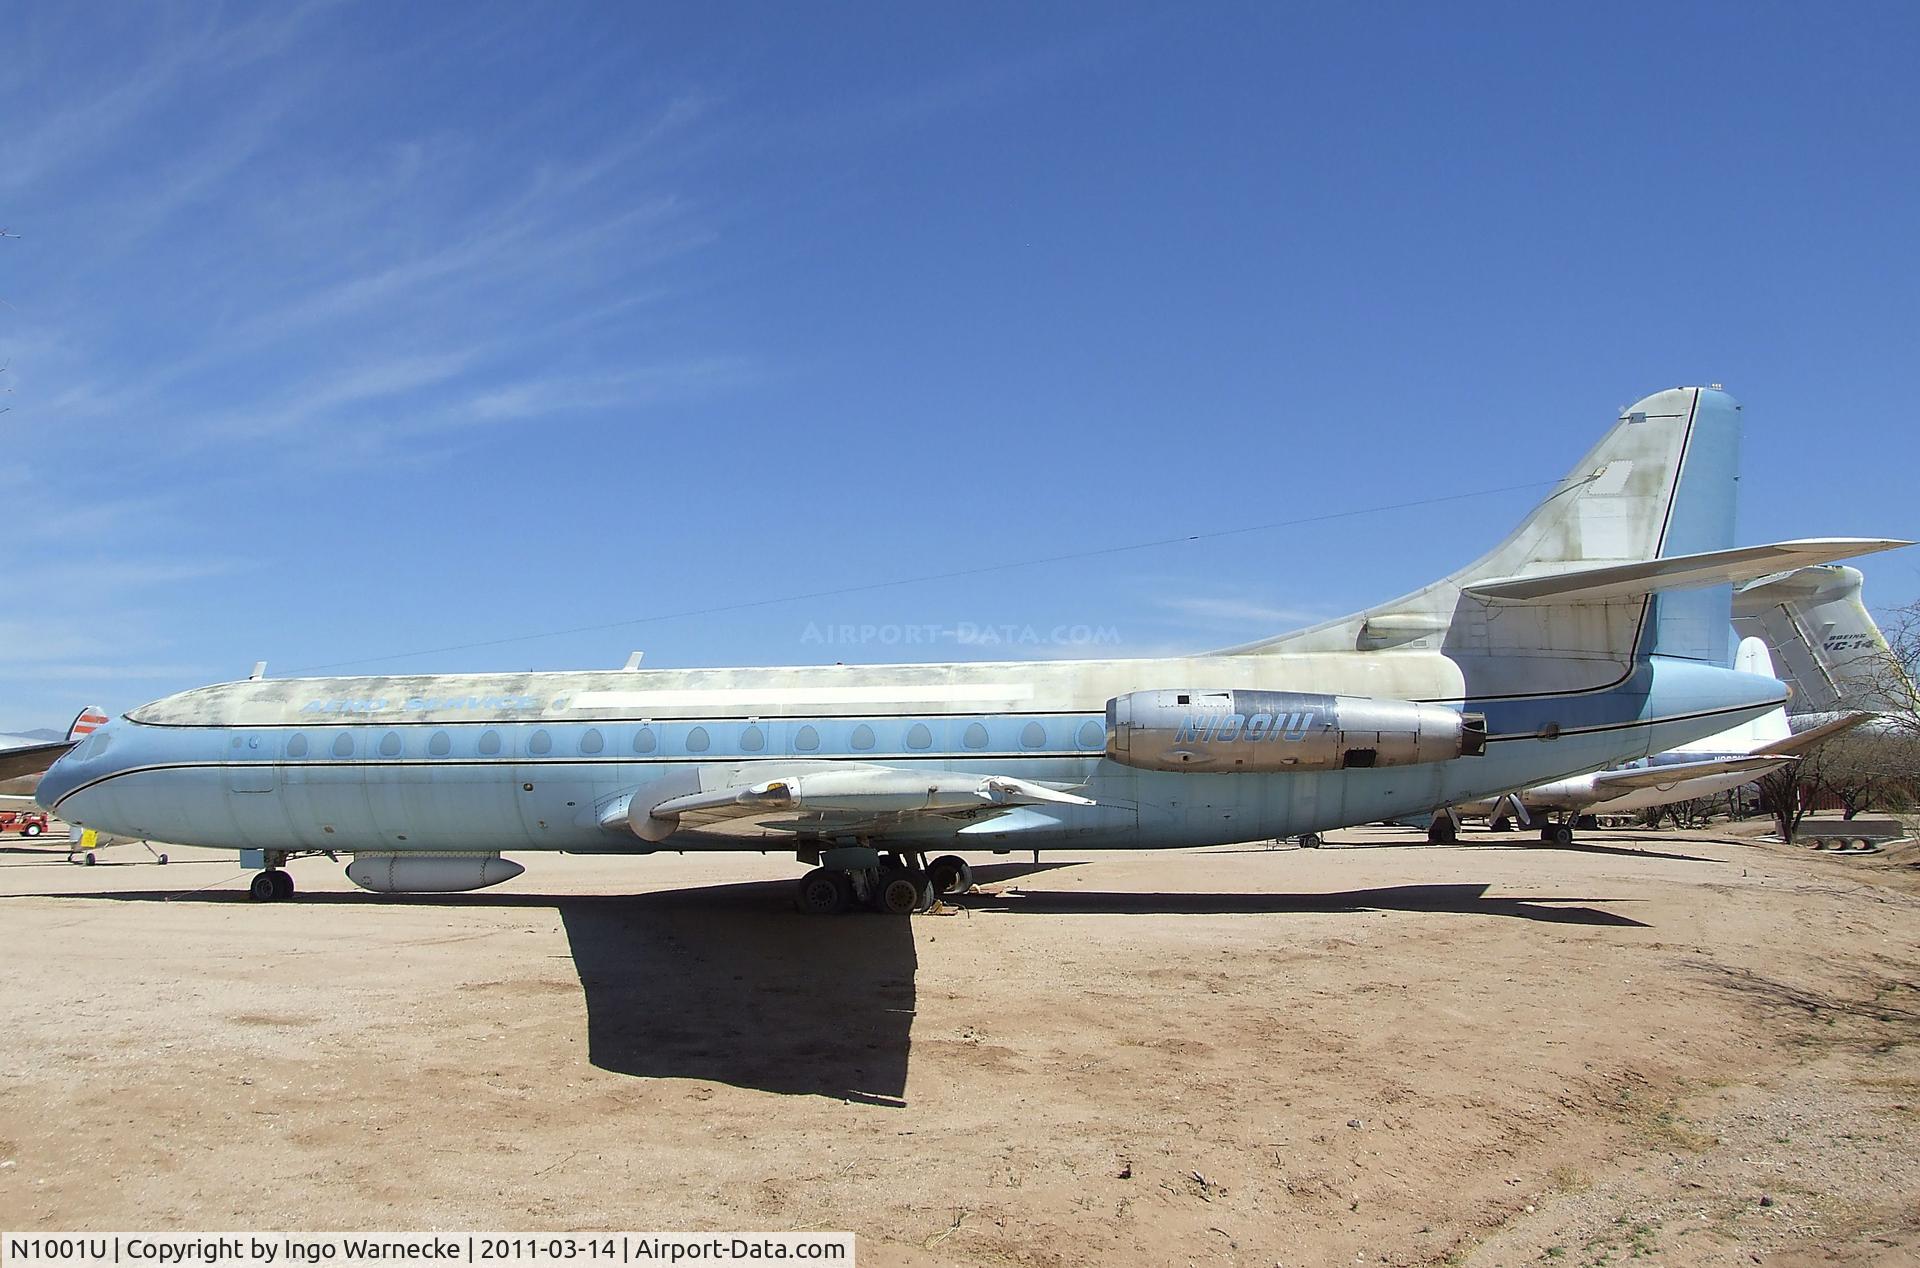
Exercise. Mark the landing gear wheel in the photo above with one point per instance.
(1502, 824)
(1557, 834)
(950, 874)
(902, 893)
(1441, 831)
(825, 891)
(162, 860)
(282, 883)
(262, 888)
(1311, 841)
(90, 860)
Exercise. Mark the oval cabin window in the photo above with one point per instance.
(807, 740)
(976, 736)
(541, 744)
(440, 745)
(919, 736)
(592, 742)
(1033, 735)
(297, 746)
(1092, 735)
(343, 745)
(863, 736)
(643, 741)
(753, 739)
(490, 744)
(390, 744)
(697, 740)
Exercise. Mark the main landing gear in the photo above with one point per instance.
(270, 886)
(893, 884)
(1556, 833)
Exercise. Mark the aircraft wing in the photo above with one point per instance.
(31, 759)
(1678, 572)
(866, 800)
(1614, 783)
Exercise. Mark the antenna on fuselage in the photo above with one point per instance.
(633, 661)
(259, 671)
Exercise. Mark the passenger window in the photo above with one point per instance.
(807, 740)
(541, 744)
(697, 741)
(343, 744)
(490, 744)
(441, 744)
(1092, 735)
(753, 739)
(976, 736)
(863, 736)
(643, 741)
(390, 744)
(1033, 735)
(592, 742)
(919, 736)
(297, 746)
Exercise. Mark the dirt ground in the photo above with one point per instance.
(1673, 1048)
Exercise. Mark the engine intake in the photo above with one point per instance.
(1284, 731)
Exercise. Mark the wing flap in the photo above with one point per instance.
(1679, 572)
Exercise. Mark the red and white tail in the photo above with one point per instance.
(91, 719)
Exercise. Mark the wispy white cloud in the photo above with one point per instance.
(1216, 610)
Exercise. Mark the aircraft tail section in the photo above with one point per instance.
(86, 722)
(1825, 640)
(1659, 484)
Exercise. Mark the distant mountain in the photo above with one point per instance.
(43, 734)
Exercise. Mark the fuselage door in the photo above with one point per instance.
(250, 759)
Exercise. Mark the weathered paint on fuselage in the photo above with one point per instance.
(519, 762)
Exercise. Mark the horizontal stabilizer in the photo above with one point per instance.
(1615, 782)
(1804, 740)
(1679, 572)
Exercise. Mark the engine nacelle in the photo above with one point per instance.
(1284, 731)
(421, 873)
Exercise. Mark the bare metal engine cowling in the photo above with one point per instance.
(1284, 731)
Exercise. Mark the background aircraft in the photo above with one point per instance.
(24, 758)
(1828, 646)
(1595, 633)
(1701, 768)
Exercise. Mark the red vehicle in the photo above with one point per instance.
(28, 823)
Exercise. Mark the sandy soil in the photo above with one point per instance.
(1667, 1048)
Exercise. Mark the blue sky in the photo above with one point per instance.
(336, 332)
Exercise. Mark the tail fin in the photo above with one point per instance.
(1659, 483)
(89, 720)
(1834, 654)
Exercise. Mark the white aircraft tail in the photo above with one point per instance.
(1834, 654)
(89, 720)
(1758, 734)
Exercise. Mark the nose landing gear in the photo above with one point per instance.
(270, 886)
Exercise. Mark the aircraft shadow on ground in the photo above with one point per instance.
(1455, 899)
(728, 984)
(723, 983)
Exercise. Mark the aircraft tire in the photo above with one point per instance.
(162, 860)
(950, 874)
(262, 888)
(901, 893)
(825, 891)
(1559, 834)
(1311, 841)
(282, 883)
(1502, 824)
(90, 861)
